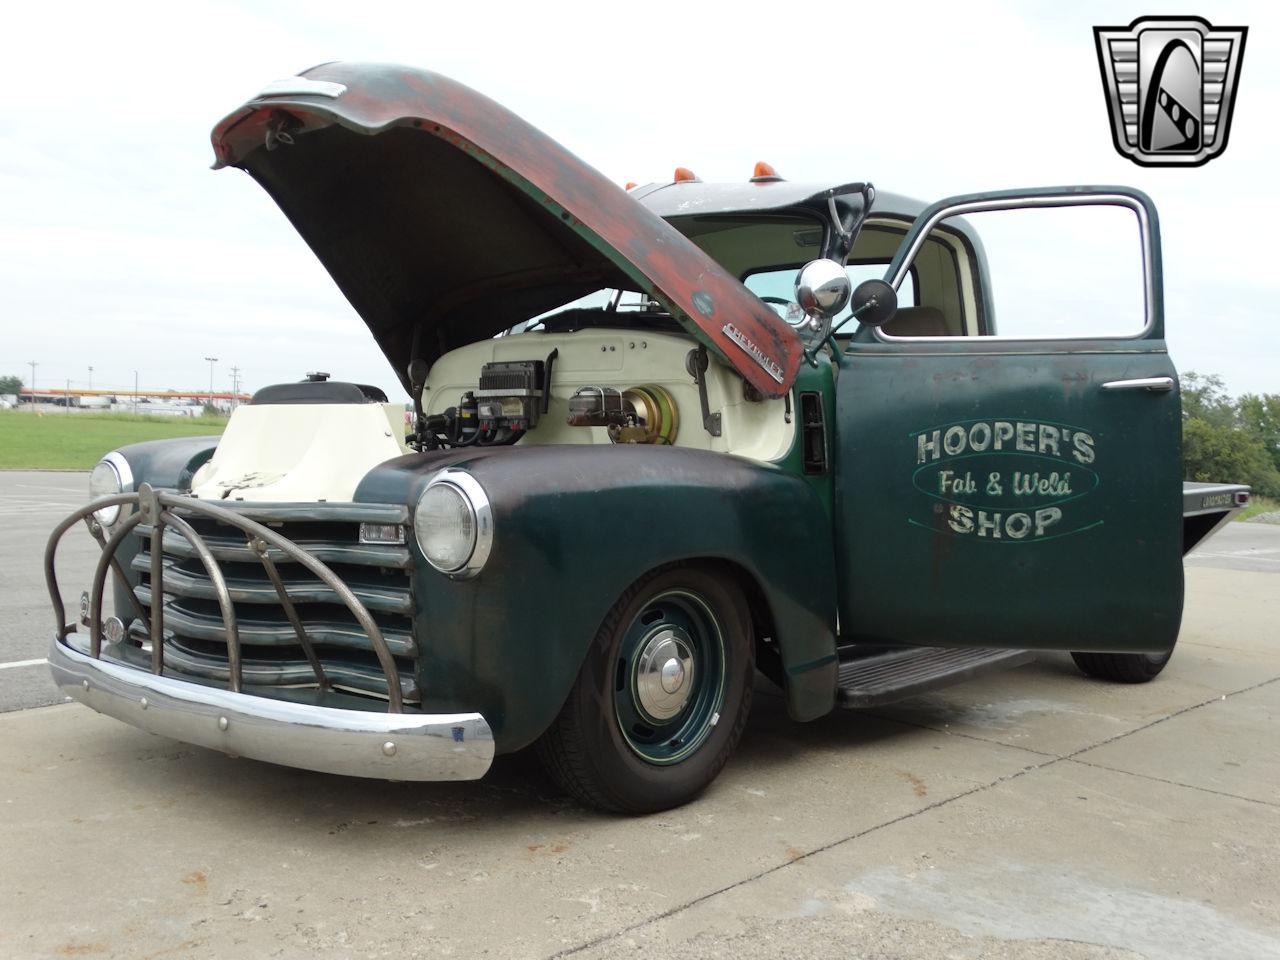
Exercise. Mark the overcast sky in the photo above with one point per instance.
(120, 249)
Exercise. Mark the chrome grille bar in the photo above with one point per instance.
(259, 546)
(158, 507)
(184, 583)
(157, 609)
(220, 587)
(234, 550)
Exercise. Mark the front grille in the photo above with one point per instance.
(195, 644)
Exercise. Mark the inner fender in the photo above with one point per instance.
(574, 526)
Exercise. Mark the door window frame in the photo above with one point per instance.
(1135, 200)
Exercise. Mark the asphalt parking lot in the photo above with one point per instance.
(1033, 814)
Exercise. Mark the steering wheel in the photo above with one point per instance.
(785, 314)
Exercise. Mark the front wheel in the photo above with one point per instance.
(661, 698)
(1122, 667)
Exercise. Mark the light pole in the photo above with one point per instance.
(235, 387)
(135, 392)
(212, 361)
(91, 378)
(33, 364)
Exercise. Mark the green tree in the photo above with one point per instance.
(1204, 397)
(1260, 416)
(1227, 455)
(10, 385)
(1231, 441)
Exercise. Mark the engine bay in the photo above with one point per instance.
(598, 385)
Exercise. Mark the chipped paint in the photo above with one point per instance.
(634, 239)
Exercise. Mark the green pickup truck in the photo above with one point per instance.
(663, 438)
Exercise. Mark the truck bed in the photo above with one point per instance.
(1206, 507)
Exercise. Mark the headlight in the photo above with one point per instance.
(111, 475)
(454, 524)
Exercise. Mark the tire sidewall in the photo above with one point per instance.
(638, 783)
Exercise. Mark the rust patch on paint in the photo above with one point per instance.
(644, 246)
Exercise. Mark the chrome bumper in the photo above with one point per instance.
(354, 743)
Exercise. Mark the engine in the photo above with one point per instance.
(511, 397)
(644, 414)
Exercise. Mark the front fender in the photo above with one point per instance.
(167, 464)
(573, 527)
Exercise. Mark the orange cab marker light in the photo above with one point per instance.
(764, 173)
(684, 175)
(631, 185)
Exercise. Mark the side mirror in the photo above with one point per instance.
(822, 290)
(874, 303)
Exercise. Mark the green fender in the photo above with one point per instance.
(573, 527)
(168, 464)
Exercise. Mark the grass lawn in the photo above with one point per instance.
(76, 441)
(1258, 505)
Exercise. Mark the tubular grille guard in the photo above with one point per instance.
(157, 508)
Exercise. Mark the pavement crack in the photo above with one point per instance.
(1177, 713)
(799, 858)
(1048, 761)
(1174, 783)
(946, 731)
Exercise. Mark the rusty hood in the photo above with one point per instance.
(444, 218)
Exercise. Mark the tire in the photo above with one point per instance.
(631, 740)
(1122, 667)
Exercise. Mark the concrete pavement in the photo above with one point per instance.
(31, 503)
(1031, 814)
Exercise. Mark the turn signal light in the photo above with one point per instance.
(764, 173)
(631, 185)
(684, 175)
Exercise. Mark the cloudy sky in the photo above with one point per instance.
(121, 250)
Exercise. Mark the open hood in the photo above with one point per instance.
(444, 218)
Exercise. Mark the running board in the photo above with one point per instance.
(888, 677)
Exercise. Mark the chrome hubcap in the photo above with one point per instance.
(664, 674)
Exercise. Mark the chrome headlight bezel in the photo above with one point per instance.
(477, 502)
(108, 516)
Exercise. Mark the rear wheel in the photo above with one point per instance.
(1122, 667)
(661, 698)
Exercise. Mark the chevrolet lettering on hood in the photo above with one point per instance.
(771, 367)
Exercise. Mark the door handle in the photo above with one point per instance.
(1150, 384)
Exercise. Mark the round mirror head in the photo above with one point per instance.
(822, 289)
(874, 302)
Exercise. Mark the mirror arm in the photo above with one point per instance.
(854, 315)
(836, 354)
(811, 354)
(848, 237)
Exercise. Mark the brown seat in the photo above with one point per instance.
(917, 322)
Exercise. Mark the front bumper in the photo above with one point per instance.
(354, 743)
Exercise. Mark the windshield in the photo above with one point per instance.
(763, 250)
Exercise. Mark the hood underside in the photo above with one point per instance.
(444, 218)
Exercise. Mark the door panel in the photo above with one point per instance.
(995, 492)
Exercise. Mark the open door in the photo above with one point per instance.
(1009, 446)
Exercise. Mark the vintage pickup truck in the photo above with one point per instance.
(664, 438)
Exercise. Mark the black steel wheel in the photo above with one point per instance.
(662, 696)
(1122, 667)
